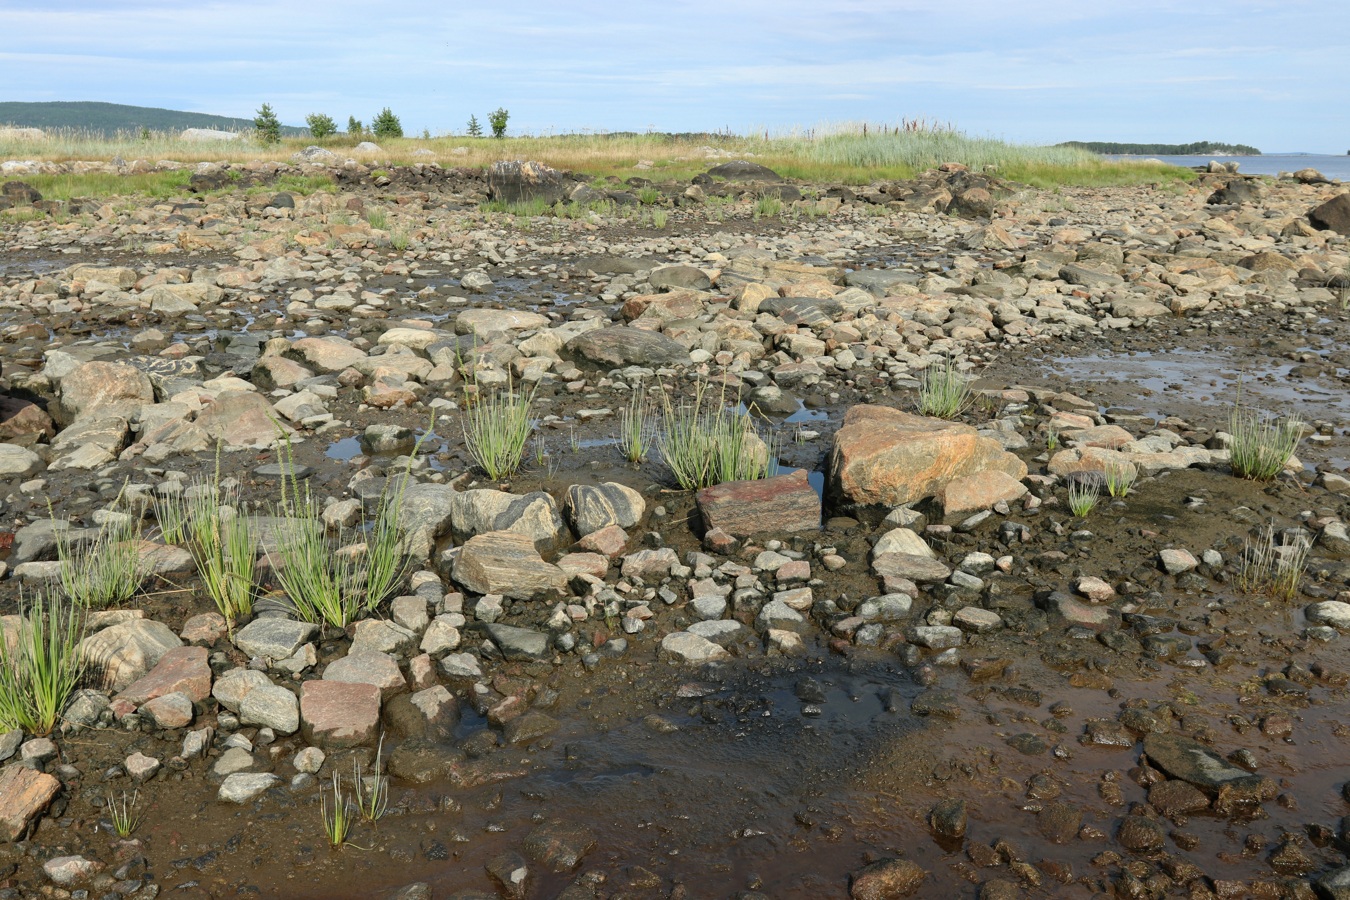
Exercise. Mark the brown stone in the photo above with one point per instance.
(782, 504)
(979, 491)
(608, 541)
(886, 880)
(24, 423)
(184, 670)
(24, 793)
(503, 562)
(105, 386)
(886, 456)
(1334, 215)
(338, 714)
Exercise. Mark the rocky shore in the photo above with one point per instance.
(901, 664)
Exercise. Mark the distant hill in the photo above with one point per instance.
(1199, 148)
(110, 118)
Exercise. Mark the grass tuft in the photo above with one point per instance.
(637, 426)
(105, 571)
(336, 813)
(496, 429)
(126, 818)
(1120, 478)
(1271, 568)
(1262, 444)
(41, 667)
(372, 792)
(705, 443)
(943, 391)
(1083, 497)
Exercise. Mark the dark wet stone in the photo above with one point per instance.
(1335, 885)
(1108, 734)
(435, 850)
(1000, 889)
(886, 879)
(948, 819)
(559, 846)
(511, 873)
(422, 761)
(1181, 757)
(417, 891)
(1146, 721)
(742, 170)
(1029, 744)
(519, 643)
(1141, 835)
(808, 690)
(1059, 821)
(942, 704)
(1176, 798)
(1334, 215)
(1291, 859)
(528, 727)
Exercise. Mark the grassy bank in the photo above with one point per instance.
(846, 154)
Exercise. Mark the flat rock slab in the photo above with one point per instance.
(690, 648)
(1194, 763)
(182, 669)
(378, 669)
(886, 456)
(782, 504)
(519, 643)
(274, 638)
(338, 714)
(24, 794)
(242, 787)
(624, 346)
(502, 562)
(121, 654)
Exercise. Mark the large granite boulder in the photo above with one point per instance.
(889, 457)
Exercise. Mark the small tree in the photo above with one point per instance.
(320, 125)
(267, 126)
(497, 120)
(354, 126)
(386, 125)
(475, 130)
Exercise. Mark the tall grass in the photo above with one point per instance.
(637, 426)
(1262, 444)
(497, 427)
(850, 152)
(43, 668)
(705, 443)
(105, 571)
(944, 392)
(1271, 568)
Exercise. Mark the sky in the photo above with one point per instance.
(1271, 74)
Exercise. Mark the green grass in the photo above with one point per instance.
(648, 195)
(497, 426)
(705, 443)
(943, 391)
(337, 814)
(398, 239)
(157, 185)
(123, 814)
(1120, 478)
(1083, 497)
(105, 571)
(1268, 568)
(1261, 444)
(377, 219)
(372, 792)
(43, 667)
(660, 218)
(767, 208)
(225, 548)
(636, 425)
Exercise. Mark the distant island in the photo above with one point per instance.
(110, 118)
(1199, 148)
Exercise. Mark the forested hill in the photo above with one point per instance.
(1199, 148)
(113, 117)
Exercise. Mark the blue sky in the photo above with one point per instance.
(1272, 74)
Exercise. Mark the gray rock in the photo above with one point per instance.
(938, 637)
(709, 607)
(1335, 885)
(1335, 613)
(506, 563)
(886, 608)
(233, 760)
(778, 615)
(232, 687)
(1194, 763)
(442, 635)
(272, 707)
(690, 648)
(368, 667)
(273, 638)
(919, 569)
(679, 278)
(519, 643)
(410, 612)
(380, 636)
(591, 507)
(242, 787)
(1175, 562)
(484, 510)
(68, 871)
(720, 631)
(122, 653)
(624, 346)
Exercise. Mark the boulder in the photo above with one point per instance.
(1196, 764)
(887, 879)
(885, 456)
(620, 345)
(274, 638)
(518, 643)
(271, 706)
(742, 170)
(182, 669)
(121, 654)
(487, 321)
(1334, 215)
(378, 669)
(107, 387)
(242, 419)
(325, 354)
(502, 562)
(679, 278)
(338, 714)
(483, 510)
(781, 504)
(24, 794)
(591, 507)
(514, 181)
